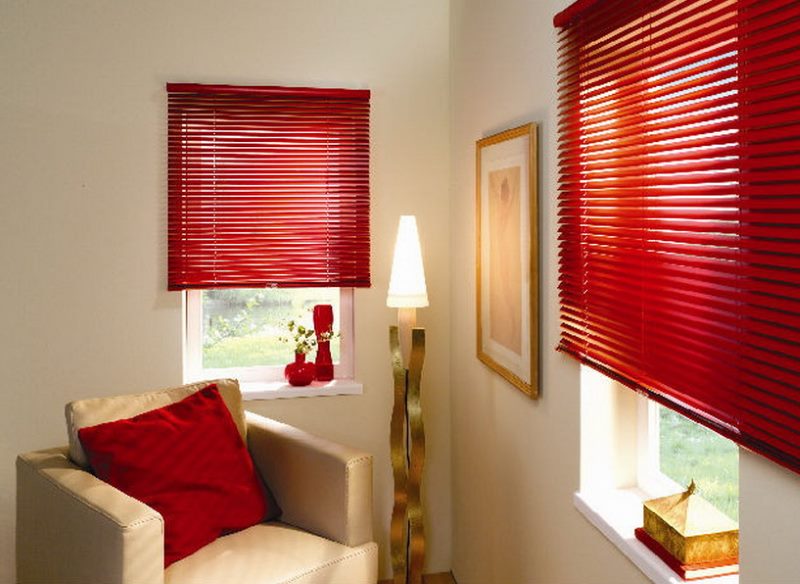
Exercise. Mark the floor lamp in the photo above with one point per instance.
(407, 292)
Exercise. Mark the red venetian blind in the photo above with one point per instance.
(268, 186)
(679, 207)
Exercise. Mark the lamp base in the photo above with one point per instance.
(408, 458)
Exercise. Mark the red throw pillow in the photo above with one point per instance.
(187, 461)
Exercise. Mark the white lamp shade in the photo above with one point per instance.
(407, 284)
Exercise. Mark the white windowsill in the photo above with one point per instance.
(254, 390)
(616, 514)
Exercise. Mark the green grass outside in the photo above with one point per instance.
(253, 351)
(690, 451)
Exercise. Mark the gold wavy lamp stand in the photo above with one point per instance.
(408, 458)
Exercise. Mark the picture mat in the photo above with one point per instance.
(496, 158)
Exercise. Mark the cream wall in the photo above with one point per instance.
(83, 303)
(516, 463)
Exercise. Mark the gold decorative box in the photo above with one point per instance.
(690, 528)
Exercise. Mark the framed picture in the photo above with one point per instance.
(507, 256)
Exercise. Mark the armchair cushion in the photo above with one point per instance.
(276, 553)
(90, 412)
(187, 461)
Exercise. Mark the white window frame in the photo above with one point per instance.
(648, 452)
(619, 448)
(255, 378)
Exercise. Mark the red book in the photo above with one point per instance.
(689, 571)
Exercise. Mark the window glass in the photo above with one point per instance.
(689, 451)
(243, 327)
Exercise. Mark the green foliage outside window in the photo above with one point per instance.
(690, 451)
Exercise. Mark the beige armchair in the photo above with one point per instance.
(74, 529)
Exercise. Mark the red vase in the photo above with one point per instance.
(323, 323)
(299, 373)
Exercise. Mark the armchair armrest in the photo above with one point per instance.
(73, 528)
(322, 487)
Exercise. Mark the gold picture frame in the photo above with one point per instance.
(507, 259)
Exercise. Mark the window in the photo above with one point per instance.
(679, 131)
(268, 215)
(629, 454)
(237, 332)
